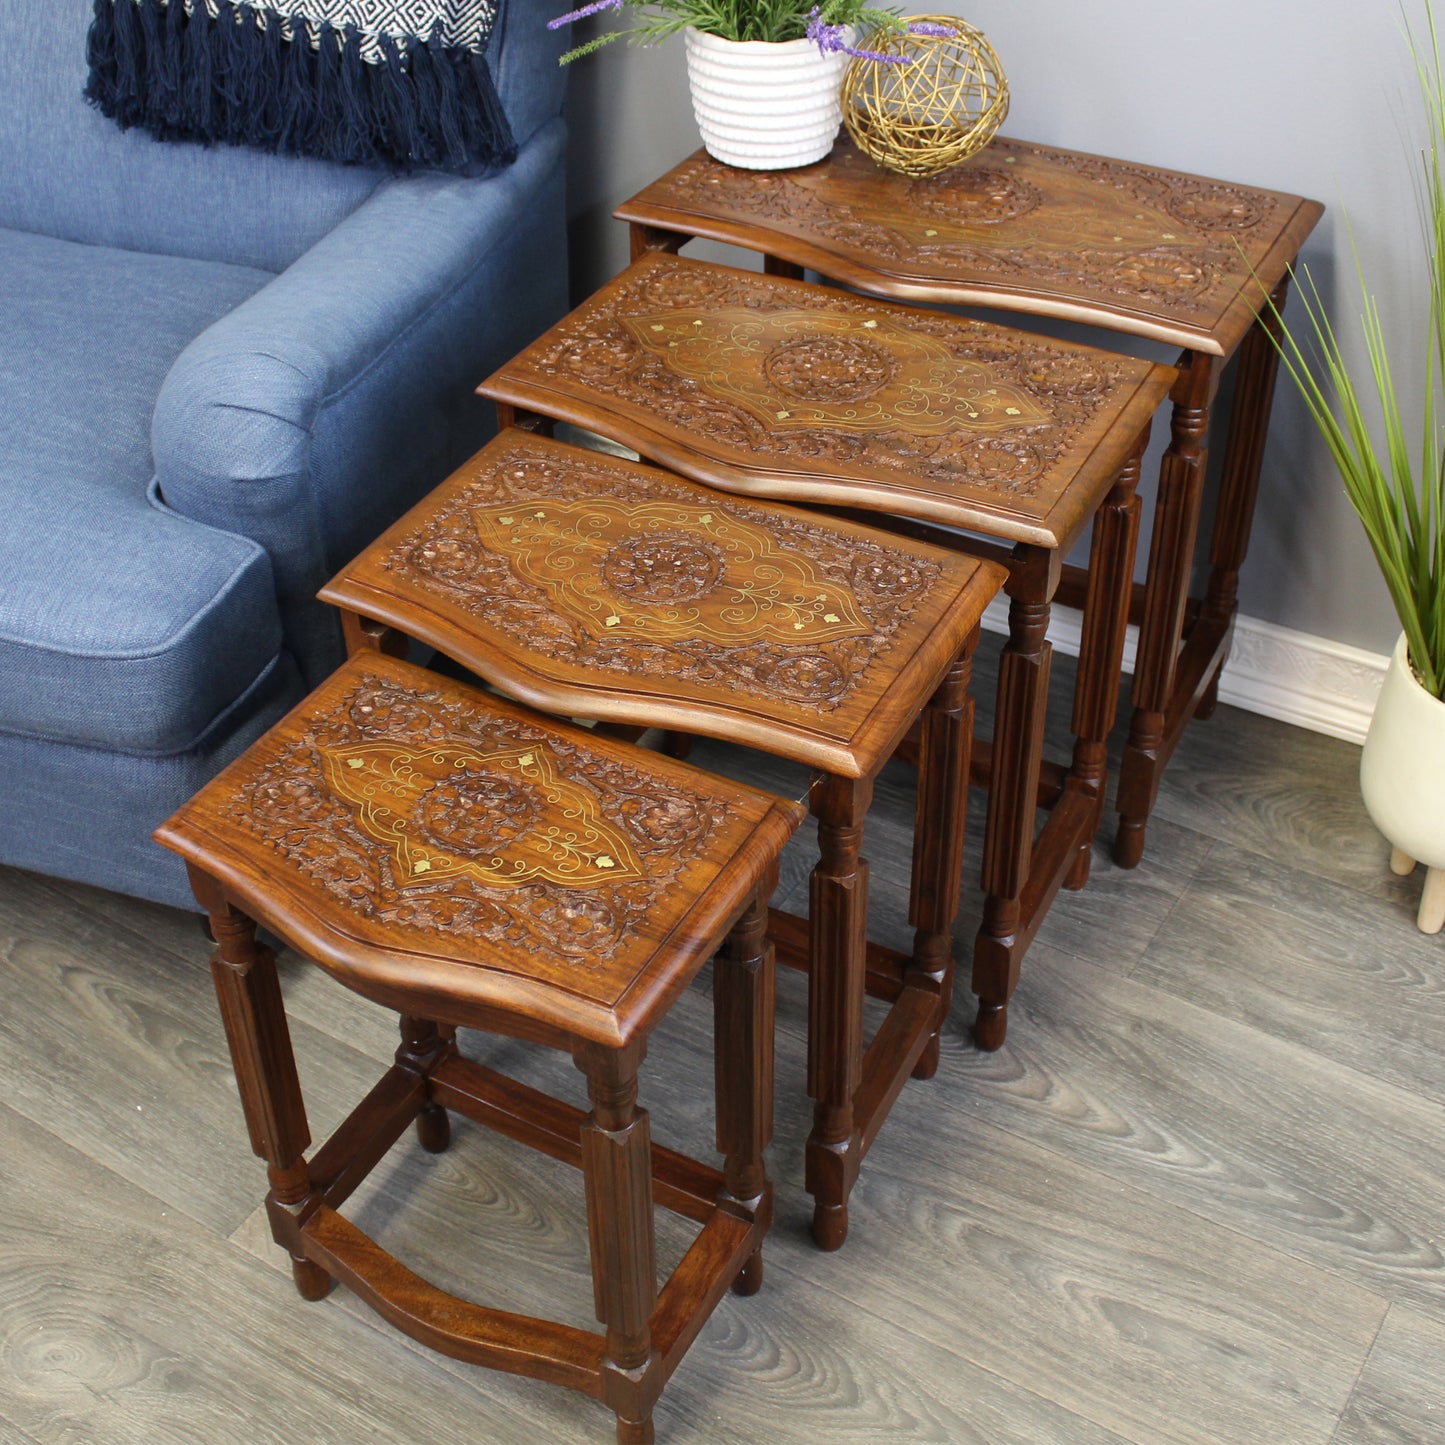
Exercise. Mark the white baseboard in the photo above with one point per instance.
(1327, 687)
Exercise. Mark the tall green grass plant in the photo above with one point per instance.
(1398, 493)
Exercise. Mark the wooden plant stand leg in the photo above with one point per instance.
(1018, 744)
(1166, 593)
(1431, 917)
(1101, 649)
(744, 1000)
(838, 910)
(1258, 369)
(617, 1166)
(249, 993)
(940, 818)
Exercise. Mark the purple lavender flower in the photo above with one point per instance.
(933, 28)
(828, 38)
(833, 40)
(595, 8)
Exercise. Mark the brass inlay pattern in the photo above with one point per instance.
(425, 810)
(800, 369)
(669, 572)
(503, 817)
(1015, 214)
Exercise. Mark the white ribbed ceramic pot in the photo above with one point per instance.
(764, 105)
(1402, 767)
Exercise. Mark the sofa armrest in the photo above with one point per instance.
(323, 405)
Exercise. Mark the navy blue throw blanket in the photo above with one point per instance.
(346, 80)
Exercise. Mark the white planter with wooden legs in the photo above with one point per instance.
(1402, 777)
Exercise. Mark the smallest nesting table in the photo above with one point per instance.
(596, 587)
(467, 863)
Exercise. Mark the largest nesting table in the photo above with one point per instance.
(1133, 249)
(776, 388)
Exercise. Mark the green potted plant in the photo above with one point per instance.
(1398, 490)
(764, 74)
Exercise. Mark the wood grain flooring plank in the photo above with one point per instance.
(1268, 788)
(1113, 920)
(1152, 1322)
(127, 1322)
(792, 1364)
(176, 933)
(1121, 1230)
(797, 1365)
(1205, 1113)
(116, 1046)
(1303, 959)
(1399, 1399)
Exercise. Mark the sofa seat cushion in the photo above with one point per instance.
(122, 623)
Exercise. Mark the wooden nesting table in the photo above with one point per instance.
(467, 863)
(771, 387)
(596, 587)
(1049, 232)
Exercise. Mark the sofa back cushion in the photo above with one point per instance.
(71, 174)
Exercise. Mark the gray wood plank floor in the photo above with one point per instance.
(1199, 1196)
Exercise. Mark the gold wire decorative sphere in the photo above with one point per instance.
(931, 110)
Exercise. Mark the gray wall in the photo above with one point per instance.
(1311, 96)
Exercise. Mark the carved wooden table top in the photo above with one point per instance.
(1018, 226)
(594, 586)
(778, 388)
(409, 831)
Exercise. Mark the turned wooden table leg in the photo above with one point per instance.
(523, 419)
(654, 238)
(838, 942)
(423, 1046)
(1257, 370)
(1018, 745)
(940, 818)
(364, 634)
(1166, 593)
(249, 993)
(1101, 649)
(744, 993)
(617, 1165)
(776, 266)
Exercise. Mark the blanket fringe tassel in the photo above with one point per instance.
(237, 79)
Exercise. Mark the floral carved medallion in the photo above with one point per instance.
(503, 817)
(802, 369)
(428, 812)
(668, 571)
(758, 372)
(1014, 215)
(632, 578)
(975, 196)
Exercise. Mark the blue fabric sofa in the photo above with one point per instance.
(221, 374)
